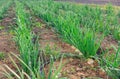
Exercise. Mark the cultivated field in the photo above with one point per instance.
(47, 39)
(102, 2)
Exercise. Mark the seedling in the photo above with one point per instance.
(38, 24)
(2, 55)
(1, 27)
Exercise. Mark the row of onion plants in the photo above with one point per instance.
(4, 5)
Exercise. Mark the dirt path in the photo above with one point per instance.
(114, 2)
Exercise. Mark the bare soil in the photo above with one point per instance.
(7, 44)
(108, 43)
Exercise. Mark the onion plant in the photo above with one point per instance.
(116, 33)
(24, 37)
(22, 74)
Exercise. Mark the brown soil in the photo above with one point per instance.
(80, 68)
(7, 45)
(108, 44)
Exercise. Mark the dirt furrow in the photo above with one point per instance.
(7, 44)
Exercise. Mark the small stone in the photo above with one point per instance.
(90, 61)
(78, 69)
(77, 51)
(67, 71)
(71, 59)
(59, 75)
(73, 47)
(101, 71)
(80, 74)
